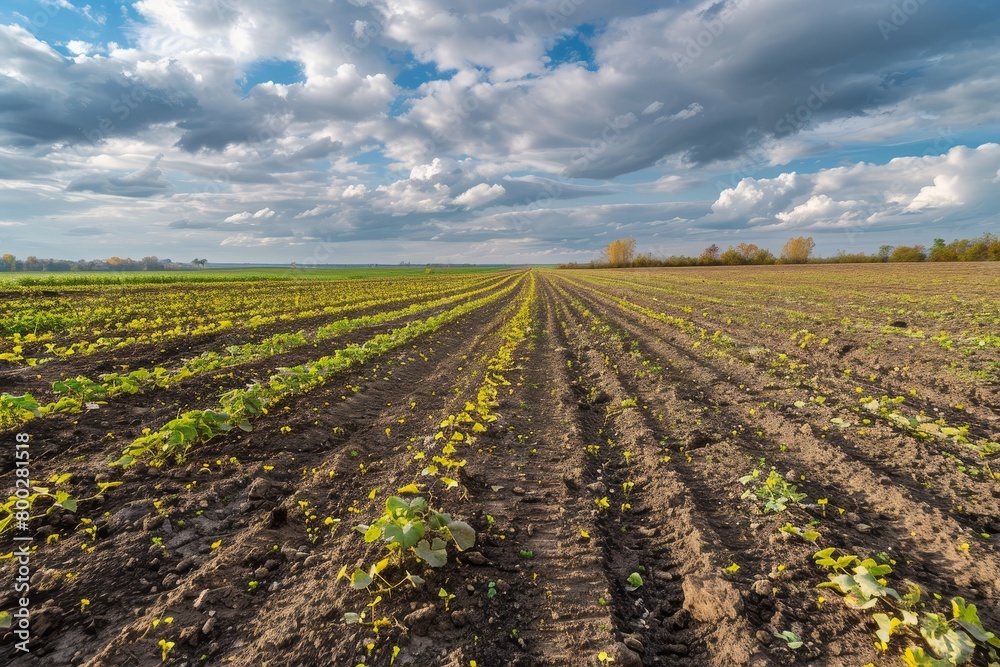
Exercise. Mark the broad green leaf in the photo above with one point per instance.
(66, 501)
(406, 535)
(967, 616)
(792, 639)
(360, 579)
(914, 656)
(869, 587)
(435, 556)
(419, 504)
(463, 534)
(845, 562)
(953, 645)
(844, 582)
(977, 632)
(396, 506)
(886, 627)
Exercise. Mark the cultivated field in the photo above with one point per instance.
(635, 467)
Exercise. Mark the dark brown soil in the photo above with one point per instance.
(604, 404)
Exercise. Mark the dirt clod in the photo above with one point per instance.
(625, 656)
(461, 617)
(633, 642)
(676, 649)
(420, 620)
(202, 599)
(474, 558)
(711, 599)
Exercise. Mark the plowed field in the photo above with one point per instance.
(650, 460)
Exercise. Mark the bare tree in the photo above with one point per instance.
(709, 255)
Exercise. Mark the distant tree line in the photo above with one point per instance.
(798, 250)
(31, 263)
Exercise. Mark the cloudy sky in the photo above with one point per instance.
(485, 131)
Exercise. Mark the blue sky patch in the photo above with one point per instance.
(414, 73)
(573, 48)
(96, 21)
(278, 71)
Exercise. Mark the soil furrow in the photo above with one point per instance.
(698, 612)
(170, 354)
(895, 373)
(68, 432)
(527, 477)
(914, 464)
(249, 510)
(936, 559)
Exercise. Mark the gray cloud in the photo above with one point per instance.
(508, 149)
(147, 182)
(86, 231)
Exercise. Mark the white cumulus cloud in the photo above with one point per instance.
(478, 195)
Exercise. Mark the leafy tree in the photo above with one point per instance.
(982, 249)
(908, 254)
(763, 256)
(646, 259)
(620, 252)
(9, 260)
(747, 251)
(883, 252)
(797, 250)
(751, 253)
(151, 263)
(942, 252)
(731, 257)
